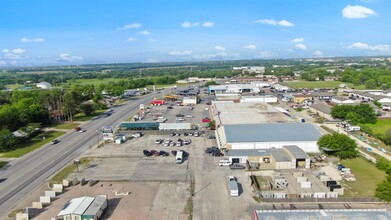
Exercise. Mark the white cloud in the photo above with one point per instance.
(14, 54)
(131, 39)
(66, 57)
(273, 22)
(32, 40)
(300, 47)
(208, 24)
(318, 53)
(220, 48)
(152, 40)
(186, 24)
(18, 51)
(357, 11)
(266, 54)
(371, 1)
(285, 23)
(179, 53)
(365, 46)
(144, 32)
(298, 40)
(130, 26)
(250, 47)
(3, 63)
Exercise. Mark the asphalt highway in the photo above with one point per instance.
(24, 174)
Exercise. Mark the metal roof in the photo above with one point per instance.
(248, 152)
(296, 152)
(76, 206)
(279, 132)
(96, 205)
(346, 214)
(322, 107)
(139, 124)
(281, 156)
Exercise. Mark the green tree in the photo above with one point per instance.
(387, 137)
(383, 190)
(7, 140)
(88, 109)
(370, 84)
(344, 146)
(210, 83)
(69, 105)
(383, 164)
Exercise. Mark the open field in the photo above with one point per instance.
(83, 117)
(367, 175)
(381, 126)
(92, 81)
(65, 126)
(35, 143)
(320, 84)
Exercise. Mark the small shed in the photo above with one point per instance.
(189, 100)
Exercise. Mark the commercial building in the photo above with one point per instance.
(346, 214)
(84, 208)
(189, 100)
(233, 88)
(268, 136)
(259, 99)
(322, 110)
(341, 100)
(287, 157)
(246, 113)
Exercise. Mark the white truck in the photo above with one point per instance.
(233, 186)
(352, 128)
(179, 157)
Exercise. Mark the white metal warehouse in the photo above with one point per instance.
(267, 136)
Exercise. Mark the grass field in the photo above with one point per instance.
(64, 173)
(367, 175)
(2, 163)
(67, 126)
(92, 81)
(83, 117)
(35, 143)
(320, 84)
(381, 126)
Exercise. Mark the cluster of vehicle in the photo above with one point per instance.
(155, 153)
(163, 153)
(79, 129)
(214, 151)
(171, 143)
(195, 134)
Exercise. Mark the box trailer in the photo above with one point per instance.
(233, 186)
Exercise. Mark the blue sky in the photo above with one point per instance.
(43, 32)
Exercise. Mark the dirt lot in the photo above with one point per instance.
(146, 200)
(159, 188)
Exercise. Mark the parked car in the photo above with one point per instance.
(196, 134)
(55, 141)
(147, 153)
(164, 153)
(237, 166)
(82, 130)
(137, 134)
(210, 150)
(206, 120)
(158, 141)
(170, 107)
(189, 116)
(180, 115)
(211, 137)
(185, 154)
(77, 129)
(174, 152)
(154, 152)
